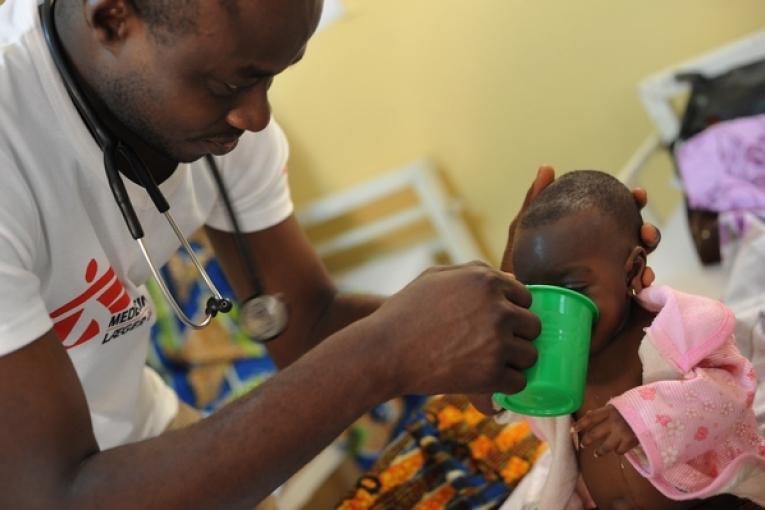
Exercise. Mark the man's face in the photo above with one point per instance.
(195, 93)
(585, 253)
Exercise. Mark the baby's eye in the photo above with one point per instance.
(581, 288)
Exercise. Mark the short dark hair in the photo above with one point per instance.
(165, 18)
(168, 17)
(585, 189)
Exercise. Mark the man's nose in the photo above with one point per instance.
(252, 112)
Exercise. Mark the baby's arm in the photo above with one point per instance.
(678, 421)
(607, 427)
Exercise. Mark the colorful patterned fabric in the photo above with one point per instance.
(447, 454)
(450, 457)
(213, 366)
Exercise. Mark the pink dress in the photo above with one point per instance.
(692, 416)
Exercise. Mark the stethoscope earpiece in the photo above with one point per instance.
(216, 306)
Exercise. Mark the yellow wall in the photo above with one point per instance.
(488, 89)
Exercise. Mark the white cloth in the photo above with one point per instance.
(745, 295)
(67, 260)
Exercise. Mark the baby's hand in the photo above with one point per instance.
(607, 427)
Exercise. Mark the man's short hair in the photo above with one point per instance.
(581, 190)
(168, 18)
(165, 18)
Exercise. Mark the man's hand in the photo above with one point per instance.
(606, 428)
(545, 177)
(649, 234)
(457, 329)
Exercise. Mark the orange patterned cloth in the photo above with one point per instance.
(450, 457)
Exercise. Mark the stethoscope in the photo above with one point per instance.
(262, 316)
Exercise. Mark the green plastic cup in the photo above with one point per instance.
(555, 383)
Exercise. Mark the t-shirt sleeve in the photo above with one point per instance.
(23, 315)
(255, 176)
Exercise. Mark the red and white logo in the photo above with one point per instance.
(104, 301)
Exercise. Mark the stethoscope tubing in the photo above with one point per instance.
(272, 306)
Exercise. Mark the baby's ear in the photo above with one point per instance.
(634, 268)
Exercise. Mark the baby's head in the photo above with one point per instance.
(583, 233)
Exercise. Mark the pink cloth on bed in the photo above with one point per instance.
(693, 414)
(723, 167)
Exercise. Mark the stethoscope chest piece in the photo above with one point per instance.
(263, 317)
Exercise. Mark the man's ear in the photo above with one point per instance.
(110, 20)
(634, 268)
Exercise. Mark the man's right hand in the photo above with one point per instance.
(457, 329)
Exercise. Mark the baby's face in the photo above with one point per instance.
(584, 253)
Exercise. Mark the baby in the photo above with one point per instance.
(667, 408)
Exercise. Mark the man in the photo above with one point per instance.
(81, 416)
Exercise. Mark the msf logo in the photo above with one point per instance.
(103, 308)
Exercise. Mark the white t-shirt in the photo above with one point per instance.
(67, 260)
